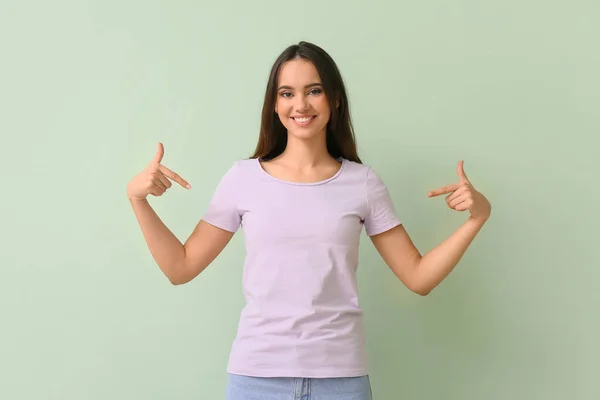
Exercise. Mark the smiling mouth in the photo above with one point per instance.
(303, 120)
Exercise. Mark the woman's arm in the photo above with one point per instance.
(422, 274)
(180, 263)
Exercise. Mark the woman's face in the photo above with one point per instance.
(301, 103)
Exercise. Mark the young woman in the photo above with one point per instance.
(302, 200)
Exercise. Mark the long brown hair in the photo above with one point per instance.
(341, 141)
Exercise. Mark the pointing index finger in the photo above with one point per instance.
(444, 190)
(174, 177)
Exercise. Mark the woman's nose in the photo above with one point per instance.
(302, 103)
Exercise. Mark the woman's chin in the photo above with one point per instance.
(306, 134)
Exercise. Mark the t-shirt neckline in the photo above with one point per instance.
(339, 171)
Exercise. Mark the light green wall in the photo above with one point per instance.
(87, 89)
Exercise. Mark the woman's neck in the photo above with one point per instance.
(306, 153)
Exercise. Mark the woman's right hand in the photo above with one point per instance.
(155, 179)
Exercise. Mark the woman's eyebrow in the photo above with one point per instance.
(306, 87)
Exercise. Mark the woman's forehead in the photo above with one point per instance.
(298, 73)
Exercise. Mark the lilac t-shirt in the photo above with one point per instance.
(302, 316)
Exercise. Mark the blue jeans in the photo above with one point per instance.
(241, 387)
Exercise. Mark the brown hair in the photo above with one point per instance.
(341, 141)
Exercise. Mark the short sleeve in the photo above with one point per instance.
(223, 211)
(381, 214)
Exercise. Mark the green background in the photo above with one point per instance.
(88, 88)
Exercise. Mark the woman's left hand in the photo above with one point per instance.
(463, 196)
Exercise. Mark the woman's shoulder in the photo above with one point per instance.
(365, 173)
(357, 168)
(242, 168)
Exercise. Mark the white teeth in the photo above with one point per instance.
(303, 119)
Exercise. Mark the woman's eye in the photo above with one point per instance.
(313, 92)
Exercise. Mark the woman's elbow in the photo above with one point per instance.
(422, 292)
(420, 289)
